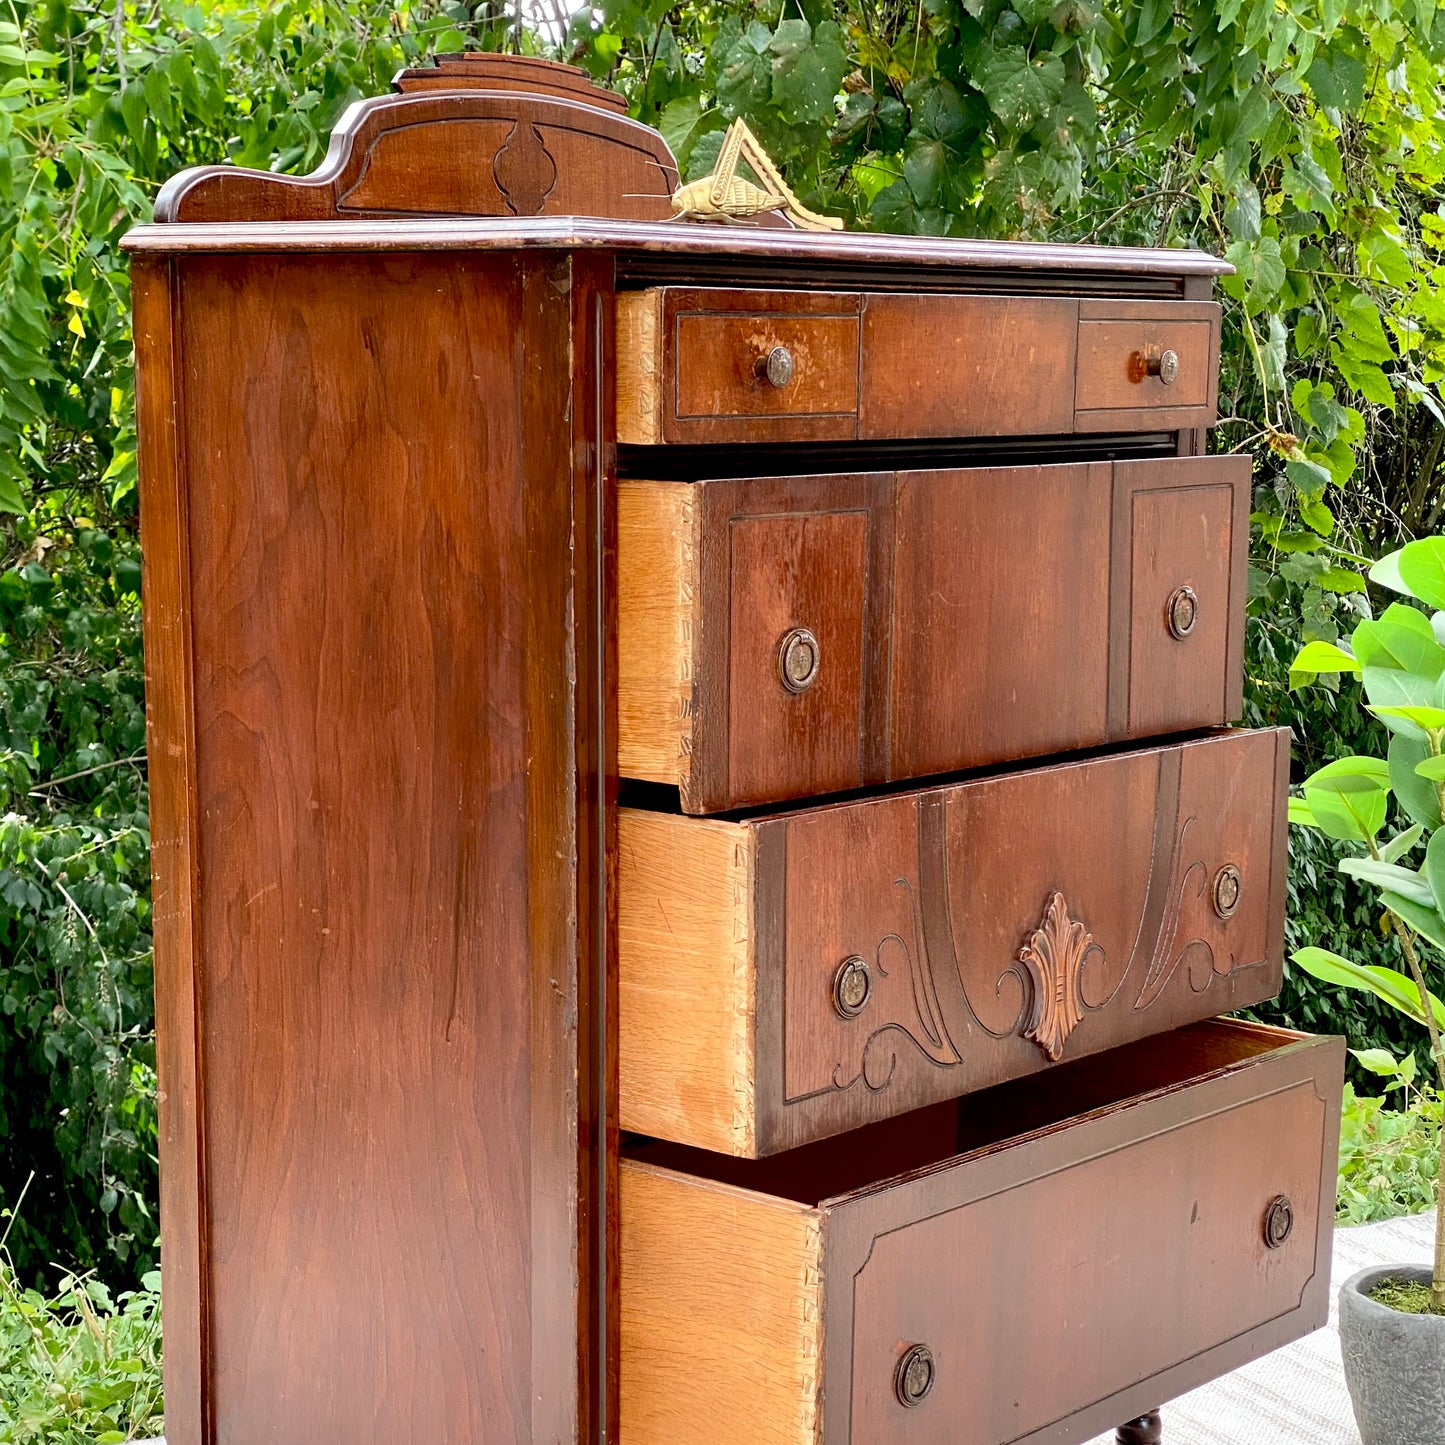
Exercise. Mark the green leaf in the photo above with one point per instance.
(1348, 798)
(808, 70)
(1434, 869)
(1401, 843)
(1432, 719)
(1391, 877)
(1432, 768)
(1395, 988)
(1315, 657)
(1422, 569)
(1299, 813)
(1397, 644)
(1427, 922)
(1391, 690)
(1338, 81)
(1416, 795)
(1377, 1061)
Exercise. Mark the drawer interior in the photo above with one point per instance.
(936, 1135)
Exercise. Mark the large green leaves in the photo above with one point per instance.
(1396, 989)
(1347, 799)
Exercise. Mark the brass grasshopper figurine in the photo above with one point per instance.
(726, 196)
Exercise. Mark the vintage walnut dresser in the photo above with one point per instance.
(696, 836)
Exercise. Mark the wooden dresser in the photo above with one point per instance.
(696, 836)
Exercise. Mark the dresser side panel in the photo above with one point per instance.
(384, 630)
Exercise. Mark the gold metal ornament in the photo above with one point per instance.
(725, 196)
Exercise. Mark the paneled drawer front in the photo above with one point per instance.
(952, 619)
(1113, 1233)
(790, 976)
(692, 365)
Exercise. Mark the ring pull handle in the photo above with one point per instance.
(775, 367)
(1278, 1221)
(914, 1377)
(1182, 612)
(798, 659)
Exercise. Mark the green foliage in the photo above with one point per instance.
(1389, 1157)
(98, 105)
(1401, 666)
(78, 1366)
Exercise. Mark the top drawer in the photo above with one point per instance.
(697, 365)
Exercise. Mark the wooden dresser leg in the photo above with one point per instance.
(1146, 1430)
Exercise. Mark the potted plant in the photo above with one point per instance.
(1392, 1320)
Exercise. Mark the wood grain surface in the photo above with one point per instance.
(1026, 1236)
(971, 652)
(369, 740)
(936, 893)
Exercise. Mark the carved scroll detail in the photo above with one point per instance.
(1054, 955)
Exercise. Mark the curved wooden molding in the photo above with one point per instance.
(526, 145)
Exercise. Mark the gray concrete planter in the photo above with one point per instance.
(1394, 1363)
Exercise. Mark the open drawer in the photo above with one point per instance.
(794, 973)
(780, 637)
(1034, 1263)
(721, 365)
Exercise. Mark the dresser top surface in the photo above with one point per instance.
(585, 233)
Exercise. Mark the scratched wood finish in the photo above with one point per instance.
(940, 648)
(360, 530)
(743, 926)
(1164, 1157)
(480, 136)
(875, 366)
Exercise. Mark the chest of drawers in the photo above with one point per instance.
(698, 846)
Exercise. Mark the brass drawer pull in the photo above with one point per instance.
(775, 367)
(914, 1377)
(1228, 886)
(1278, 1221)
(798, 660)
(852, 987)
(1182, 612)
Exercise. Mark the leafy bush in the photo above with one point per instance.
(98, 105)
(1389, 1158)
(78, 1366)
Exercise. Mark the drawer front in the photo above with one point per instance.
(1069, 1250)
(790, 977)
(1090, 1273)
(691, 366)
(1143, 357)
(963, 618)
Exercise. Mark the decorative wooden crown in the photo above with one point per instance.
(472, 135)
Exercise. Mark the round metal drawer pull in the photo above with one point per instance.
(775, 366)
(1165, 366)
(798, 659)
(1228, 886)
(914, 1377)
(1278, 1221)
(1182, 612)
(852, 987)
